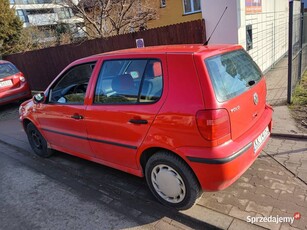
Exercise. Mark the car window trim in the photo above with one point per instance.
(93, 62)
(130, 103)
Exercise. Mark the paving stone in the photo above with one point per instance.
(286, 226)
(209, 216)
(242, 215)
(275, 178)
(239, 224)
(284, 187)
(292, 198)
(274, 193)
(215, 205)
(302, 176)
(179, 225)
(268, 225)
(263, 210)
(164, 225)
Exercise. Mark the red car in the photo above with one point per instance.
(13, 84)
(186, 117)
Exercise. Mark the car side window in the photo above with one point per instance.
(135, 81)
(72, 86)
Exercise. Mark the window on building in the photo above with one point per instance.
(22, 16)
(64, 13)
(191, 6)
(163, 3)
(12, 2)
(249, 37)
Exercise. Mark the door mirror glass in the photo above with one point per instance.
(39, 98)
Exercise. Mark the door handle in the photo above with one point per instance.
(138, 121)
(77, 116)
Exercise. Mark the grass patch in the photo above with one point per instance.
(299, 104)
(300, 93)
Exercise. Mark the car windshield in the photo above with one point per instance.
(232, 74)
(7, 69)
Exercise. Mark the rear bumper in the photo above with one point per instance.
(217, 168)
(15, 94)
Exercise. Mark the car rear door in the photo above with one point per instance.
(129, 93)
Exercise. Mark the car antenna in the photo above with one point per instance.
(206, 43)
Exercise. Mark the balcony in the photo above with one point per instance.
(25, 2)
(43, 19)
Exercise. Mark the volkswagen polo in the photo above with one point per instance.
(188, 118)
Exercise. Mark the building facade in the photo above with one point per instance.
(175, 11)
(260, 26)
(47, 14)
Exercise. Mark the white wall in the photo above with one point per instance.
(269, 27)
(270, 32)
(227, 31)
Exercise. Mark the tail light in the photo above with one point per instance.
(214, 125)
(21, 77)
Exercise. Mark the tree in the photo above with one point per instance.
(105, 18)
(10, 28)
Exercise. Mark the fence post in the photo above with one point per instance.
(301, 43)
(290, 53)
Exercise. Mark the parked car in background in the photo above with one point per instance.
(13, 84)
(187, 117)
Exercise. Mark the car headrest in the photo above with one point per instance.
(123, 83)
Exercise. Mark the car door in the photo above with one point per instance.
(128, 95)
(61, 118)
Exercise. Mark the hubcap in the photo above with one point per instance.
(36, 140)
(168, 183)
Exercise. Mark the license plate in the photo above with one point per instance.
(6, 83)
(261, 139)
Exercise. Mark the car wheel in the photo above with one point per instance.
(38, 142)
(171, 180)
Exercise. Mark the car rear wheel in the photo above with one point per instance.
(38, 142)
(171, 181)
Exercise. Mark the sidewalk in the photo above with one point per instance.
(277, 81)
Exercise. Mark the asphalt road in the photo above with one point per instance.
(9, 111)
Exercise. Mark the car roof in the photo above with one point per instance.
(184, 48)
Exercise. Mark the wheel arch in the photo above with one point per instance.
(146, 154)
(25, 123)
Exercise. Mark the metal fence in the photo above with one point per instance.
(297, 59)
(42, 66)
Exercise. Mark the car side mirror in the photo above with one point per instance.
(39, 98)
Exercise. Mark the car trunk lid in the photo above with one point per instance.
(10, 82)
(239, 88)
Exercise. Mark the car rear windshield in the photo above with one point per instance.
(7, 69)
(232, 74)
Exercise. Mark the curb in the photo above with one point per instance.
(289, 135)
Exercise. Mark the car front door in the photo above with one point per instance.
(128, 95)
(61, 118)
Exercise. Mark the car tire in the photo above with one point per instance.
(171, 180)
(38, 142)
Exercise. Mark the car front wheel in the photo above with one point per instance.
(171, 181)
(38, 142)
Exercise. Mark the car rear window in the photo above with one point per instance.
(7, 69)
(232, 74)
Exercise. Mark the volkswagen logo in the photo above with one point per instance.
(256, 99)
